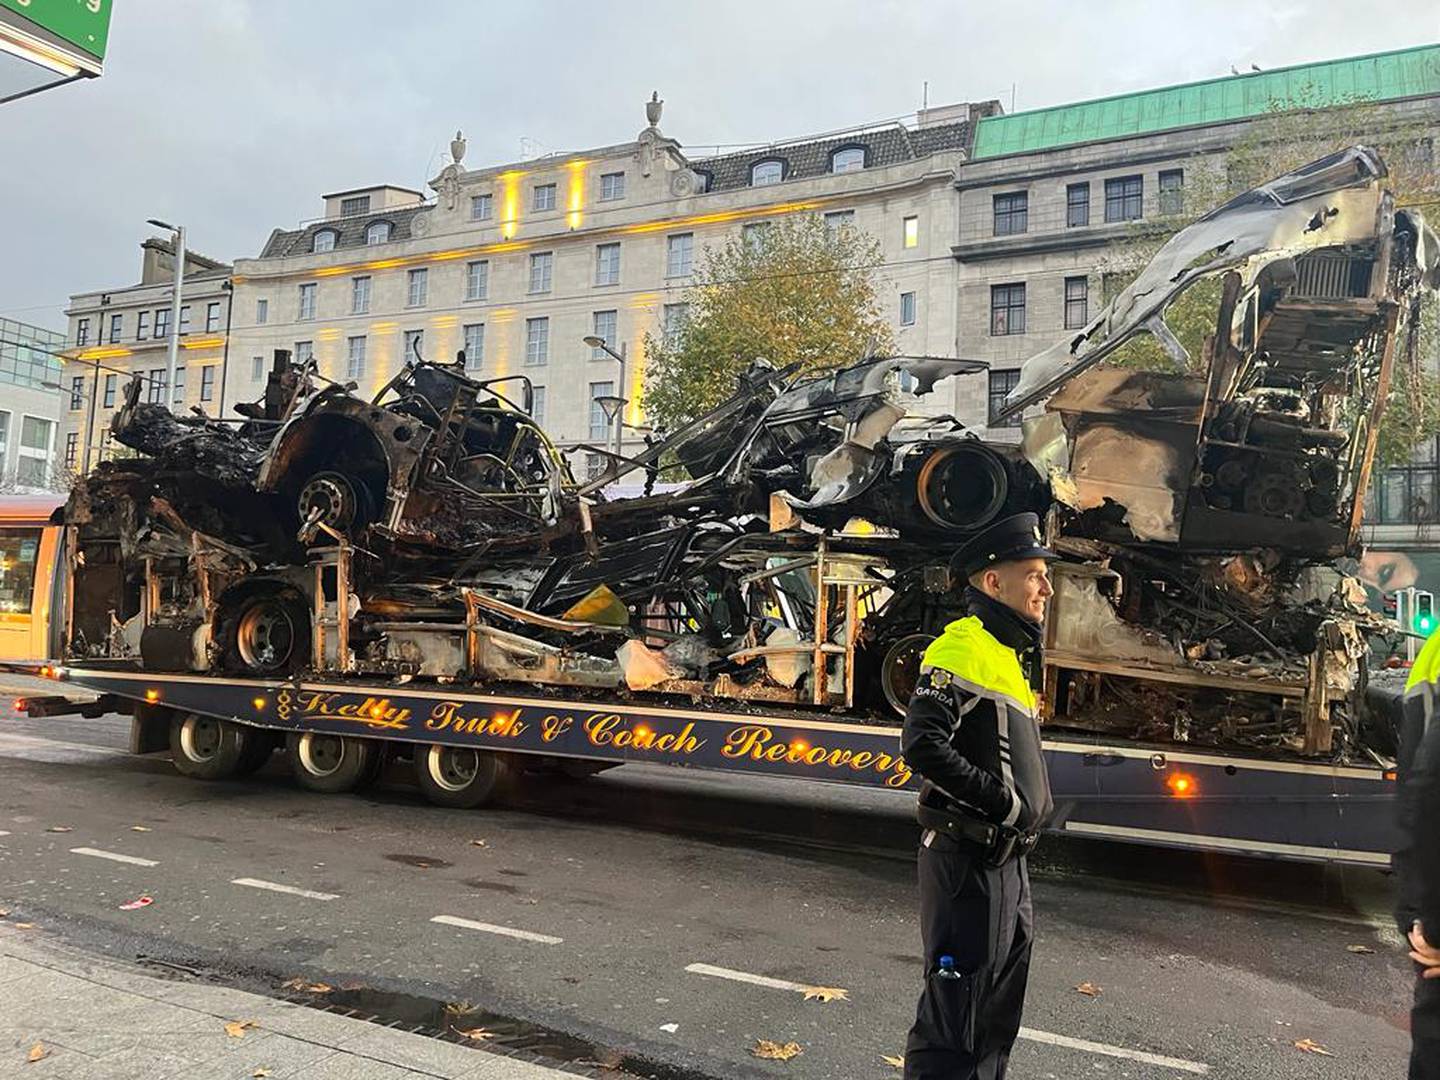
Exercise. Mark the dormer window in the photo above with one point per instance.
(377, 233)
(847, 159)
(324, 241)
(771, 171)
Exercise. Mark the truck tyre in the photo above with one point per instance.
(267, 633)
(259, 746)
(206, 748)
(460, 776)
(330, 763)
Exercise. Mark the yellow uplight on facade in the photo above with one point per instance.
(203, 343)
(575, 197)
(383, 327)
(510, 202)
(328, 333)
(101, 354)
(912, 232)
(719, 217)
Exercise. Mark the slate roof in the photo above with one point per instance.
(352, 230)
(883, 146)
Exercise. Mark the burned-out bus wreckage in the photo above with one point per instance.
(785, 554)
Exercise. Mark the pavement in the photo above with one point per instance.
(662, 921)
(66, 1014)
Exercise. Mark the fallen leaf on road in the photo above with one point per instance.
(38, 1052)
(670, 1029)
(146, 828)
(60, 828)
(261, 1072)
(893, 1061)
(303, 986)
(138, 902)
(4, 912)
(774, 1051)
(24, 926)
(826, 993)
(1310, 1046)
(478, 843)
(1359, 949)
(1089, 989)
(236, 1028)
(479, 1034)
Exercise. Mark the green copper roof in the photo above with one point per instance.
(1379, 77)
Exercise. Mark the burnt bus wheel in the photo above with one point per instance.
(330, 763)
(208, 749)
(343, 502)
(460, 776)
(900, 670)
(267, 633)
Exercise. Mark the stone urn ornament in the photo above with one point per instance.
(457, 148)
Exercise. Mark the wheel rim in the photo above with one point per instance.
(900, 670)
(321, 755)
(453, 768)
(200, 738)
(331, 494)
(265, 637)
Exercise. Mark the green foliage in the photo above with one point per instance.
(1412, 409)
(794, 292)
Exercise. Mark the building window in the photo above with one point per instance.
(612, 186)
(212, 317)
(907, 309)
(482, 207)
(599, 426)
(537, 404)
(594, 466)
(753, 236)
(359, 295)
(1172, 191)
(912, 232)
(836, 220)
(542, 264)
(673, 324)
(207, 382)
(178, 397)
(1012, 213)
(185, 319)
(537, 342)
(324, 240)
(848, 159)
(679, 254)
(1077, 302)
(142, 325)
(304, 353)
(257, 368)
(413, 346)
(162, 323)
(307, 303)
(355, 357)
(117, 325)
(72, 448)
(32, 467)
(418, 282)
(77, 391)
(5, 433)
(355, 205)
(1007, 309)
(1001, 383)
(477, 280)
(377, 233)
(155, 386)
(1077, 205)
(111, 382)
(262, 312)
(82, 332)
(606, 329)
(1124, 196)
(474, 346)
(766, 172)
(544, 197)
(607, 264)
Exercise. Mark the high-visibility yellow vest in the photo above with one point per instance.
(980, 663)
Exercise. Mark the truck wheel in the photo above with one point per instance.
(460, 776)
(330, 763)
(259, 745)
(206, 748)
(268, 633)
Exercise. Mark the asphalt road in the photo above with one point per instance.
(627, 918)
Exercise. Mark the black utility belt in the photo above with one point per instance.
(997, 843)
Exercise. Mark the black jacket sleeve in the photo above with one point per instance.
(1419, 861)
(926, 743)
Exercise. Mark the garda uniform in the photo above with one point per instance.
(1417, 860)
(972, 734)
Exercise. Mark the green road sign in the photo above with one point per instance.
(84, 24)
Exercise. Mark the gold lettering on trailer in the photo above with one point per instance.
(758, 743)
(372, 712)
(608, 729)
(446, 716)
(552, 727)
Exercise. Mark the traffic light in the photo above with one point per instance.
(1422, 614)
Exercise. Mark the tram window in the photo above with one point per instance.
(18, 550)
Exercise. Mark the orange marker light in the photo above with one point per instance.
(259, 703)
(799, 746)
(1181, 785)
(19, 704)
(152, 695)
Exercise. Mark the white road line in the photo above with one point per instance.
(289, 890)
(4, 832)
(113, 856)
(1181, 1064)
(746, 977)
(491, 928)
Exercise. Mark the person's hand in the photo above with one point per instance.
(1423, 953)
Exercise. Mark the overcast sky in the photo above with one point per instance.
(234, 116)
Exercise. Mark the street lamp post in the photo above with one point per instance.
(615, 407)
(179, 240)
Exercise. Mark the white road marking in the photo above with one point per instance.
(289, 890)
(1181, 1064)
(746, 977)
(113, 856)
(4, 832)
(491, 928)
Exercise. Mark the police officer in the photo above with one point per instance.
(972, 734)
(1417, 859)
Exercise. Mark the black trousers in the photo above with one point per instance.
(980, 915)
(1425, 1031)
